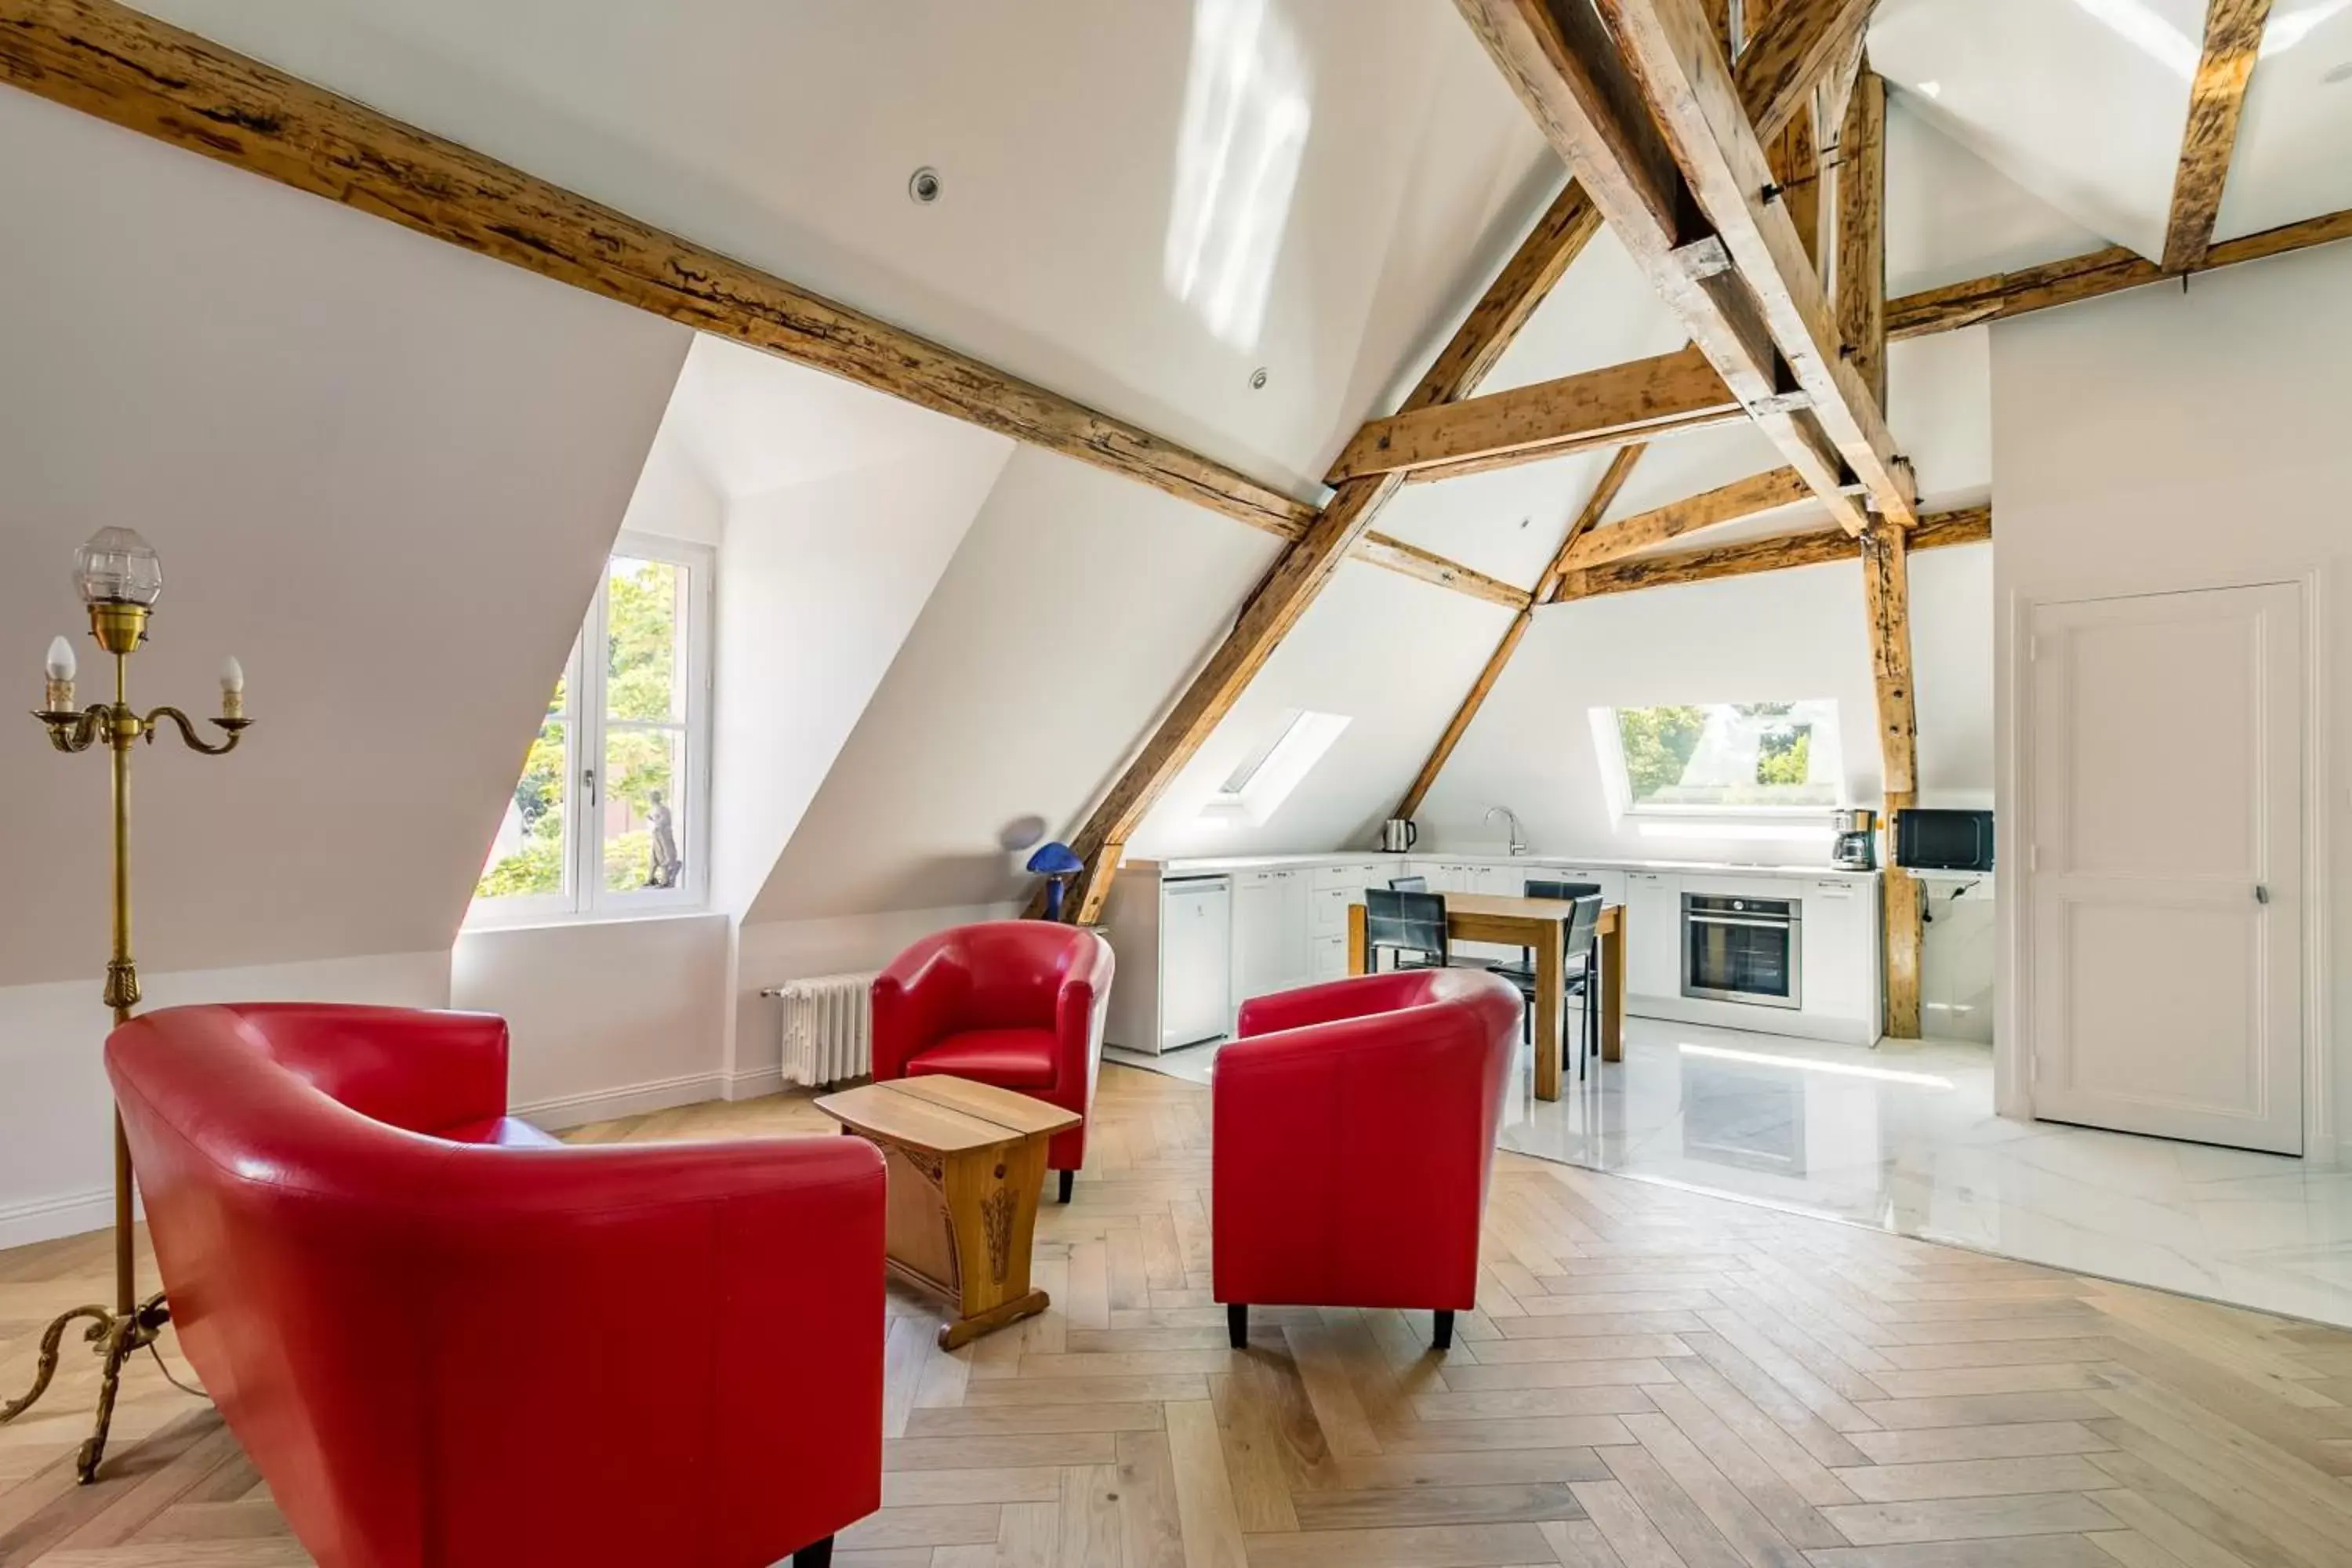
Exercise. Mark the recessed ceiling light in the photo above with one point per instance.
(1257, 379)
(923, 184)
(1932, 89)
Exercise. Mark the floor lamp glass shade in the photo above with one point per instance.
(118, 567)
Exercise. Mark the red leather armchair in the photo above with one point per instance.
(1018, 1004)
(1353, 1129)
(446, 1340)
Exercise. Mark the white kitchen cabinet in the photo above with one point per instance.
(1653, 934)
(1841, 946)
(1257, 958)
(1196, 960)
(1293, 963)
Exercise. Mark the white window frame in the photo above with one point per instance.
(586, 898)
(1617, 782)
(1268, 772)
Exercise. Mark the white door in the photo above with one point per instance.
(2165, 877)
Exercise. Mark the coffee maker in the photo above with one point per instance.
(1856, 849)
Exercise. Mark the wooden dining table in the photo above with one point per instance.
(1541, 925)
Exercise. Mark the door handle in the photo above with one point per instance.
(2262, 894)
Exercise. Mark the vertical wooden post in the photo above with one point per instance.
(1887, 597)
(1862, 231)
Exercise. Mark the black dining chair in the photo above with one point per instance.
(1582, 970)
(1408, 884)
(1561, 892)
(1410, 925)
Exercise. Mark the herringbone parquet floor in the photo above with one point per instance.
(1655, 1378)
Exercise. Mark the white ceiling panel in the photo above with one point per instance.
(2295, 144)
(2081, 101)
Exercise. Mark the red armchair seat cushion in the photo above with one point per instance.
(501, 1131)
(1009, 1058)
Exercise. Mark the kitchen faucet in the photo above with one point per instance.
(1518, 839)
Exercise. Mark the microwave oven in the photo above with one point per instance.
(1944, 840)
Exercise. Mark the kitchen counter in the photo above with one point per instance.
(1194, 866)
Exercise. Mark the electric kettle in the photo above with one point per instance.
(1398, 835)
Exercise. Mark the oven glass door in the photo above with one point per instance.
(1741, 950)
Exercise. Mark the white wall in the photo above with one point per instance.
(1071, 615)
(381, 471)
(2170, 439)
(57, 1150)
(819, 584)
(606, 1017)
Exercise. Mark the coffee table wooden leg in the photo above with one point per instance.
(991, 1197)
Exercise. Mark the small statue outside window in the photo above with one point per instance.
(665, 863)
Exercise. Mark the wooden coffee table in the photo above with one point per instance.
(966, 1162)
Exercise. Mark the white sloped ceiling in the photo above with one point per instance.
(380, 471)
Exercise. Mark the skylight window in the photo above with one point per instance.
(1714, 758)
(1276, 763)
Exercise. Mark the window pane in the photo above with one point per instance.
(526, 857)
(1732, 754)
(645, 620)
(644, 822)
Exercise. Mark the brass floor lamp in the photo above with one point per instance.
(121, 579)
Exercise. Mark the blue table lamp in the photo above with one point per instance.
(1057, 863)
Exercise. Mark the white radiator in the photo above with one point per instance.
(828, 1027)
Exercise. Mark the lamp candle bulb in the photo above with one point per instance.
(60, 692)
(232, 680)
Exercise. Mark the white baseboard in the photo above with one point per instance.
(630, 1099)
(47, 1219)
(754, 1084)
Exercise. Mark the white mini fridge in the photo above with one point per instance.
(1196, 960)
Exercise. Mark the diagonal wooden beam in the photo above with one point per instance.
(2006, 295)
(1300, 575)
(1559, 237)
(121, 66)
(1780, 552)
(1689, 85)
(1797, 45)
(1604, 495)
(1611, 406)
(2233, 40)
(1733, 502)
(1728, 261)
(1427, 566)
(1862, 232)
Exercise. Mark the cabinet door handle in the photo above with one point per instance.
(2262, 894)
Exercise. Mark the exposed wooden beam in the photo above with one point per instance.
(1413, 561)
(1739, 500)
(1803, 547)
(1886, 582)
(2006, 295)
(1705, 419)
(1689, 87)
(2233, 40)
(1612, 407)
(1604, 495)
(1304, 568)
(127, 68)
(1559, 237)
(1862, 232)
(1797, 43)
(1742, 285)
(1887, 598)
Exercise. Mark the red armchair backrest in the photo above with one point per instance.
(1000, 974)
(451, 1353)
(1370, 1107)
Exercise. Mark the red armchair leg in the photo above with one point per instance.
(1442, 1339)
(1069, 1182)
(1237, 1324)
(815, 1554)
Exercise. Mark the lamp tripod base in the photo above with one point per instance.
(116, 1337)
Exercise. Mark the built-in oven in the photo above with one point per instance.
(1742, 949)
